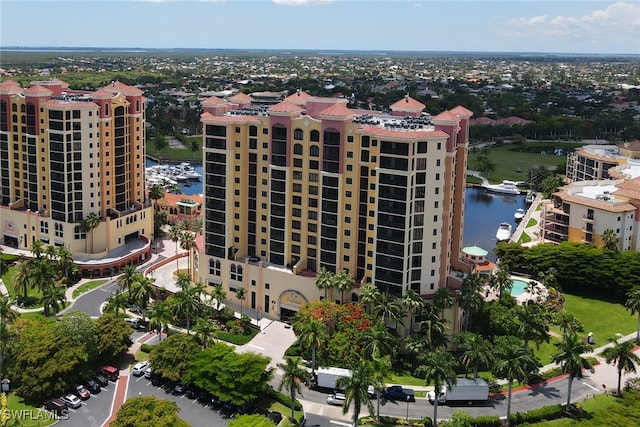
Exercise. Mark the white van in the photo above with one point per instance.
(133, 322)
(336, 399)
(139, 368)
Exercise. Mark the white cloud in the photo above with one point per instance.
(616, 20)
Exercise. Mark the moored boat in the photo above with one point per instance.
(505, 187)
(519, 214)
(504, 232)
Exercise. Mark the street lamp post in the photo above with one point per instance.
(408, 399)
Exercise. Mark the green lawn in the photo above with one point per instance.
(404, 378)
(524, 238)
(532, 222)
(177, 154)
(511, 157)
(7, 278)
(29, 415)
(603, 318)
(86, 287)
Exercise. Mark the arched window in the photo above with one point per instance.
(23, 108)
(239, 274)
(314, 151)
(233, 272)
(314, 136)
(298, 134)
(137, 105)
(214, 267)
(297, 149)
(106, 109)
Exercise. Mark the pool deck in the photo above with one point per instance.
(491, 295)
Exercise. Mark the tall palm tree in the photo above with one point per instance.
(356, 388)
(21, 279)
(622, 355)
(387, 308)
(174, 236)
(4, 266)
(141, 291)
(469, 298)
(568, 322)
(378, 341)
(312, 334)
(442, 300)
(115, 303)
(501, 280)
(292, 374)
(128, 277)
(512, 364)
(42, 273)
(610, 239)
(194, 146)
(188, 243)
(437, 368)
(187, 302)
(241, 294)
(435, 330)
(633, 304)
(324, 280)
(53, 299)
(569, 357)
(87, 225)
(7, 315)
(369, 296)
(475, 351)
(534, 322)
(159, 316)
(412, 302)
(219, 295)
(156, 192)
(381, 368)
(37, 248)
(344, 283)
(64, 263)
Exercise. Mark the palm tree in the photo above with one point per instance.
(241, 296)
(324, 280)
(356, 388)
(412, 302)
(4, 267)
(37, 248)
(387, 308)
(568, 322)
(187, 302)
(633, 304)
(622, 355)
(188, 243)
(7, 315)
(378, 341)
(205, 330)
(381, 368)
(442, 300)
(437, 368)
(156, 192)
(475, 351)
(219, 295)
(115, 303)
(21, 278)
(174, 236)
(160, 315)
(534, 324)
(194, 147)
(369, 295)
(344, 283)
(42, 273)
(65, 263)
(128, 277)
(141, 291)
(501, 280)
(53, 299)
(312, 334)
(569, 357)
(87, 225)
(610, 239)
(435, 330)
(512, 363)
(292, 374)
(469, 298)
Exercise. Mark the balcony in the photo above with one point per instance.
(588, 218)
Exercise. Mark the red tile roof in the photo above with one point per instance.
(119, 87)
(337, 110)
(460, 110)
(285, 107)
(102, 94)
(300, 97)
(240, 98)
(446, 116)
(213, 101)
(407, 104)
(10, 87)
(37, 90)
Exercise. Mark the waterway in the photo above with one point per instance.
(484, 212)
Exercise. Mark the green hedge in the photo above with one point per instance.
(545, 413)
(487, 421)
(286, 400)
(237, 339)
(146, 348)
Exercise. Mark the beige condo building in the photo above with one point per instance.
(309, 183)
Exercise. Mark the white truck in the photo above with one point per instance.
(326, 377)
(467, 390)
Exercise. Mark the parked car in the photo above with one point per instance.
(110, 372)
(205, 397)
(139, 368)
(92, 386)
(228, 410)
(134, 323)
(72, 401)
(191, 391)
(397, 392)
(101, 380)
(148, 373)
(56, 406)
(82, 392)
(156, 380)
(276, 417)
(336, 399)
(179, 389)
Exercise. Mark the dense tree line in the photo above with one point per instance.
(580, 269)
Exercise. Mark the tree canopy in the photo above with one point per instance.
(148, 411)
(114, 336)
(172, 357)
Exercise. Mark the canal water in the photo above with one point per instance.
(484, 212)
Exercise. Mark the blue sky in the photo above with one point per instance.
(570, 26)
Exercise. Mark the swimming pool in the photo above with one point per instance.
(519, 287)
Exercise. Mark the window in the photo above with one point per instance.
(314, 136)
(214, 267)
(236, 272)
(297, 148)
(298, 136)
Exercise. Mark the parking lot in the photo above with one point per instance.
(93, 411)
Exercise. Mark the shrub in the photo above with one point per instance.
(545, 413)
(286, 400)
(146, 348)
(294, 350)
(487, 421)
(226, 314)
